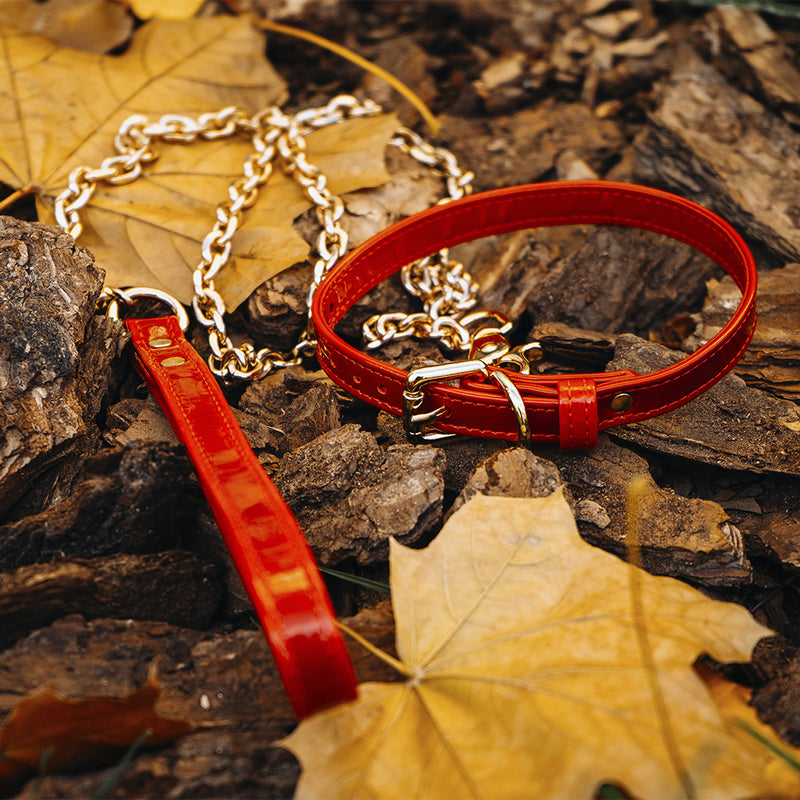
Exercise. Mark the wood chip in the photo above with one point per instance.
(350, 495)
(55, 359)
(523, 147)
(175, 587)
(731, 425)
(772, 362)
(614, 25)
(684, 537)
(133, 499)
(719, 146)
(748, 51)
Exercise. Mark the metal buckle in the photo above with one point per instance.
(492, 349)
(415, 421)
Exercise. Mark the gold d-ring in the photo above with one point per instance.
(517, 406)
(128, 296)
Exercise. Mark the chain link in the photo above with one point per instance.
(445, 288)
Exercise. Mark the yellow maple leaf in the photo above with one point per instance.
(93, 25)
(532, 674)
(61, 108)
(174, 9)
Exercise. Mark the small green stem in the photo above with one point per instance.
(108, 784)
(367, 583)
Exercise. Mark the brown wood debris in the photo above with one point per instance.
(731, 425)
(721, 145)
(772, 362)
(350, 495)
(55, 362)
(112, 569)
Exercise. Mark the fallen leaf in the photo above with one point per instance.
(61, 108)
(174, 210)
(174, 9)
(96, 26)
(80, 733)
(755, 740)
(528, 674)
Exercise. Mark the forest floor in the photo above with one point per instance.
(113, 576)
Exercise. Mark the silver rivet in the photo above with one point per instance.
(173, 361)
(621, 402)
(160, 342)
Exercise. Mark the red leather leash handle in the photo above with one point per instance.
(267, 545)
(569, 409)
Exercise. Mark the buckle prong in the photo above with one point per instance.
(517, 406)
(414, 420)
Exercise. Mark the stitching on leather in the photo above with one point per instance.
(155, 366)
(719, 236)
(577, 414)
(565, 415)
(355, 288)
(656, 410)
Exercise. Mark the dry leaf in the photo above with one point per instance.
(755, 739)
(531, 673)
(174, 9)
(174, 208)
(79, 733)
(93, 25)
(60, 108)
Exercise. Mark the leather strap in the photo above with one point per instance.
(267, 545)
(569, 409)
(577, 414)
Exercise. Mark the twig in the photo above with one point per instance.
(9, 201)
(340, 50)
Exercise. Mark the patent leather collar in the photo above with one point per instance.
(568, 409)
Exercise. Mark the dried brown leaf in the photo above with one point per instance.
(79, 733)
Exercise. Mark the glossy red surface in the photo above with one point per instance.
(480, 408)
(262, 535)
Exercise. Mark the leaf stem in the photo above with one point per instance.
(376, 651)
(344, 52)
(9, 201)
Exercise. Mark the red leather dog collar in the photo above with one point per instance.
(569, 409)
(262, 535)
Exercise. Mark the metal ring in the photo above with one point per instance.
(517, 406)
(129, 295)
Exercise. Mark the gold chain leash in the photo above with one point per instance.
(445, 288)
